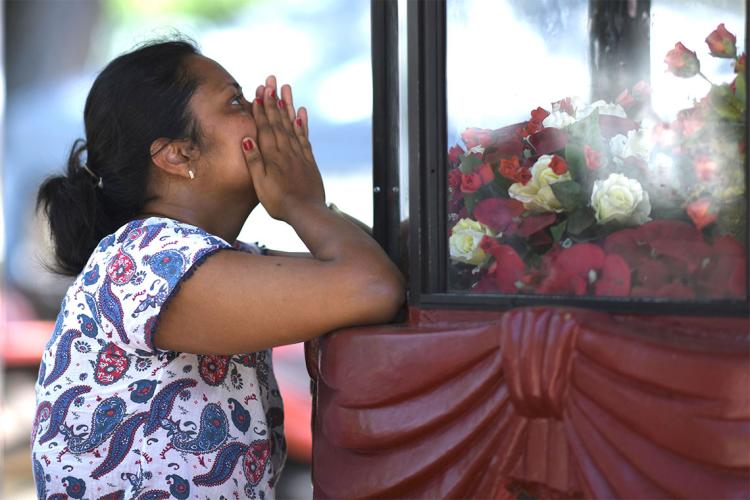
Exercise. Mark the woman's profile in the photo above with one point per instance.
(157, 381)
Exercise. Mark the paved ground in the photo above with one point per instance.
(16, 418)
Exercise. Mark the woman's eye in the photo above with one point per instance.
(237, 99)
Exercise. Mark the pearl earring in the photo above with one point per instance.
(191, 174)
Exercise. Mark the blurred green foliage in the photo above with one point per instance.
(209, 10)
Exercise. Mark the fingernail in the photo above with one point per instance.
(273, 94)
(298, 121)
(260, 100)
(247, 145)
(281, 103)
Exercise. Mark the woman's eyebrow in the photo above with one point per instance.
(235, 85)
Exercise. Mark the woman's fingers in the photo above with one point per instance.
(302, 120)
(266, 134)
(286, 95)
(271, 82)
(253, 158)
(288, 125)
(300, 130)
(273, 114)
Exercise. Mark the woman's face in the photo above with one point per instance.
(224, 118)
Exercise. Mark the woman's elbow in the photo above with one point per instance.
(385, 297)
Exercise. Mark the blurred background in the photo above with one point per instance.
(53, 50)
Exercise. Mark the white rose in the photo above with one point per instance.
(620, 199)
(558, 119)
(463, 243)
(604, 107)
(636, 144)
(537, 195)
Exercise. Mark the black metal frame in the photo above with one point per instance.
(385, 125)
(428, 192)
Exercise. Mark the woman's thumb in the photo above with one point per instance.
(252, 155)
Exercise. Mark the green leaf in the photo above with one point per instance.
(502, 184)
(725, 103)
(741, 89)
(576, 160)
(469, 162)
(580, 220)
(558, 230)
(587, 130)
(570, 194)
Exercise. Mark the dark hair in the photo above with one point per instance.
(139, 97)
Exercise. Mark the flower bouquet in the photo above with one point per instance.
(606, 199)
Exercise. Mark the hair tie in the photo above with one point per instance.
(97, 178)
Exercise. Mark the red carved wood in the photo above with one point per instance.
(553, 402)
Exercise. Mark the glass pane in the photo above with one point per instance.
(597, 148)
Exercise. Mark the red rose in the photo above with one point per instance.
(548, 140)
(682, 62)
(594, 158)
(535, 223)
(700, 213)
(531, 127)
(559, 282)
(508, 267)
(539, 114)
(739, 66)
(454, 153)
(509, 168)
(485, 173)
(470, 182)
(499, 214)
(722, 43)
(476, 137)
(524, 176)
(625, 99)
(454, 179)
(558, 164)
(565, 105)
(615, 278)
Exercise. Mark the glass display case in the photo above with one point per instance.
(564, 183)
(582, 162)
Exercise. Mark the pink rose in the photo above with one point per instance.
(722, 43)
(682, 62)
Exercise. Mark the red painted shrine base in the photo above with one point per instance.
(546, 402)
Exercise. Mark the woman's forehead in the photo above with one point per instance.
(212, 75)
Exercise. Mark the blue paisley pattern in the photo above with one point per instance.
(117, 418)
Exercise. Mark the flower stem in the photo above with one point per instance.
(705, 78)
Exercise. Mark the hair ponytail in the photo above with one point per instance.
(139, 97)
(73, 207)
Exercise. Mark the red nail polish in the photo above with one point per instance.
(247, 145)
(273, 94)
(260, 100)
(281, 103)
(298, 121)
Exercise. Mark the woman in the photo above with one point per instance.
(152, 384)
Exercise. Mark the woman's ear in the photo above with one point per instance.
(173, 157)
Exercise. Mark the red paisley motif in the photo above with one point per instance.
(213, 369)
(256, 459)
(111, 364)
(121, 268)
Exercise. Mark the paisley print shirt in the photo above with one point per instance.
(118, 418)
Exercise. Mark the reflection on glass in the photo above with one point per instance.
(642, 195)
